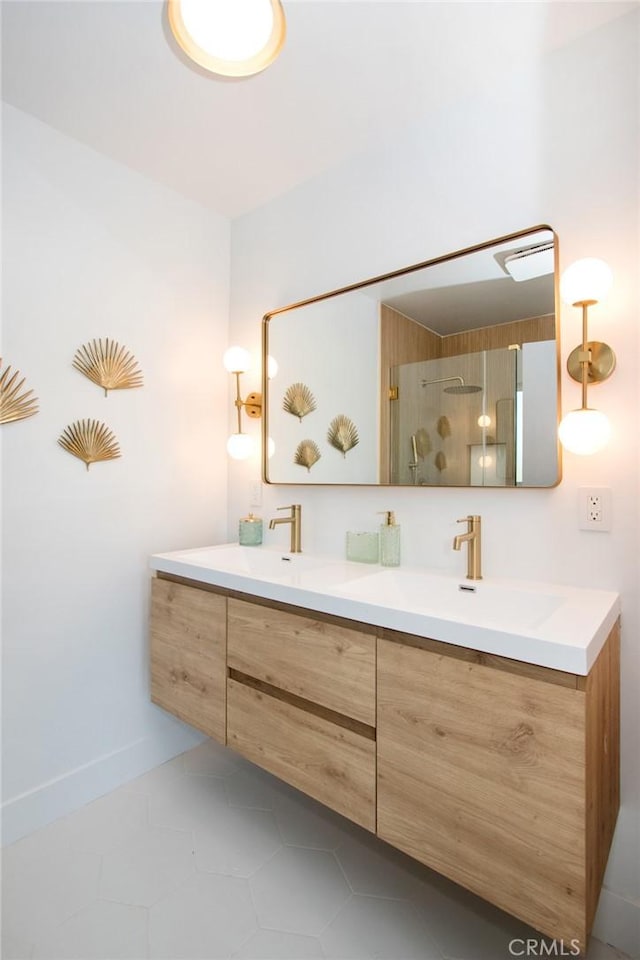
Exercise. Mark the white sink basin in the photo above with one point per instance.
(254, 561)
(260, 564)
(547, 624)
(475, 602)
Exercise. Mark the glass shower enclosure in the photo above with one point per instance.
(457, 421)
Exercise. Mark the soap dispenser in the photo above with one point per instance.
(389, 540)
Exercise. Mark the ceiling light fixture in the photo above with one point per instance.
(232, 38)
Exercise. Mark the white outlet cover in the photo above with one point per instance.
(586, 497)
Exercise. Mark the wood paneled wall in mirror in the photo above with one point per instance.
(445, 373)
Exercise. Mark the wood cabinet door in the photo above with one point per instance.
(329, 761)
(481, 776)
(188, 655)
(319, 660)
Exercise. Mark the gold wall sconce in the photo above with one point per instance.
(240, 445)
(583, 284)
(229, 37)
(237, 361)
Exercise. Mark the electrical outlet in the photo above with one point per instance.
(256, 494)
(595, 508)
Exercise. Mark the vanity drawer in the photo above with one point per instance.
(188, 646)
(330, 762)
(317, 660)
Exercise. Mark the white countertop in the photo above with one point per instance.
(546, 624)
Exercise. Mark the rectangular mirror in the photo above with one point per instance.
(445, 373)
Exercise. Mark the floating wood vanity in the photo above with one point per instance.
(499, 774)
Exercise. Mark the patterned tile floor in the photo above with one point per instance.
(209, 857)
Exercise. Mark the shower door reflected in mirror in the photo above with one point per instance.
(454, 421)
(446, 373)
(476, 419)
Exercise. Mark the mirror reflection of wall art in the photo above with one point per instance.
(307, 453)
(299, 401)
(14, 404)
(89, 441)
(440, 461)
(342, 434)
(444, 427)
(108, 364)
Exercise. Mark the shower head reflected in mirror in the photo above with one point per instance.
(458, 388)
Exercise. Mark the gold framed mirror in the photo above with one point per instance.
(447, 372)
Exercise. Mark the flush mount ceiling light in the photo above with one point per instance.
(232, 38)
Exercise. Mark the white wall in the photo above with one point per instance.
(92, 249)
(557, 146)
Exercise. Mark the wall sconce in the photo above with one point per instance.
(240, 445)
(226, 37)
(584, 284)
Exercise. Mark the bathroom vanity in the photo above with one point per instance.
(499, 772)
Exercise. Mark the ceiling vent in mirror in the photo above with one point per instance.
(531, 262)
(231, 38)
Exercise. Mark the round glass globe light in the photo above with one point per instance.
(272, 367)
(240, 446)
(484, 420)
(586, 281)
(236, 360)
(584, 431)
(271, 448)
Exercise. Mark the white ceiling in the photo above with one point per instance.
(107, 73)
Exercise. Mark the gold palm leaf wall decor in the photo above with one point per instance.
(444, 427)
(89, 441)
(108, 364)
(299, 401)
(342, 434)
(15, 404)
(440, 461)
(307, 453)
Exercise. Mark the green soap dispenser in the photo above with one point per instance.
(389, 540)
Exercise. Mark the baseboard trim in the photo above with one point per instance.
(617, 922)
(56, 798)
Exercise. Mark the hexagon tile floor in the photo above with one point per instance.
(209, 857)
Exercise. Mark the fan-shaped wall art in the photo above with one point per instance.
(299, 401)
(89, 441)
(342, 434)
(444, 427)
(15, 403)
(109, 365)
(307, 453)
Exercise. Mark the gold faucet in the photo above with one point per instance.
(473, 538)
(295, 519)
